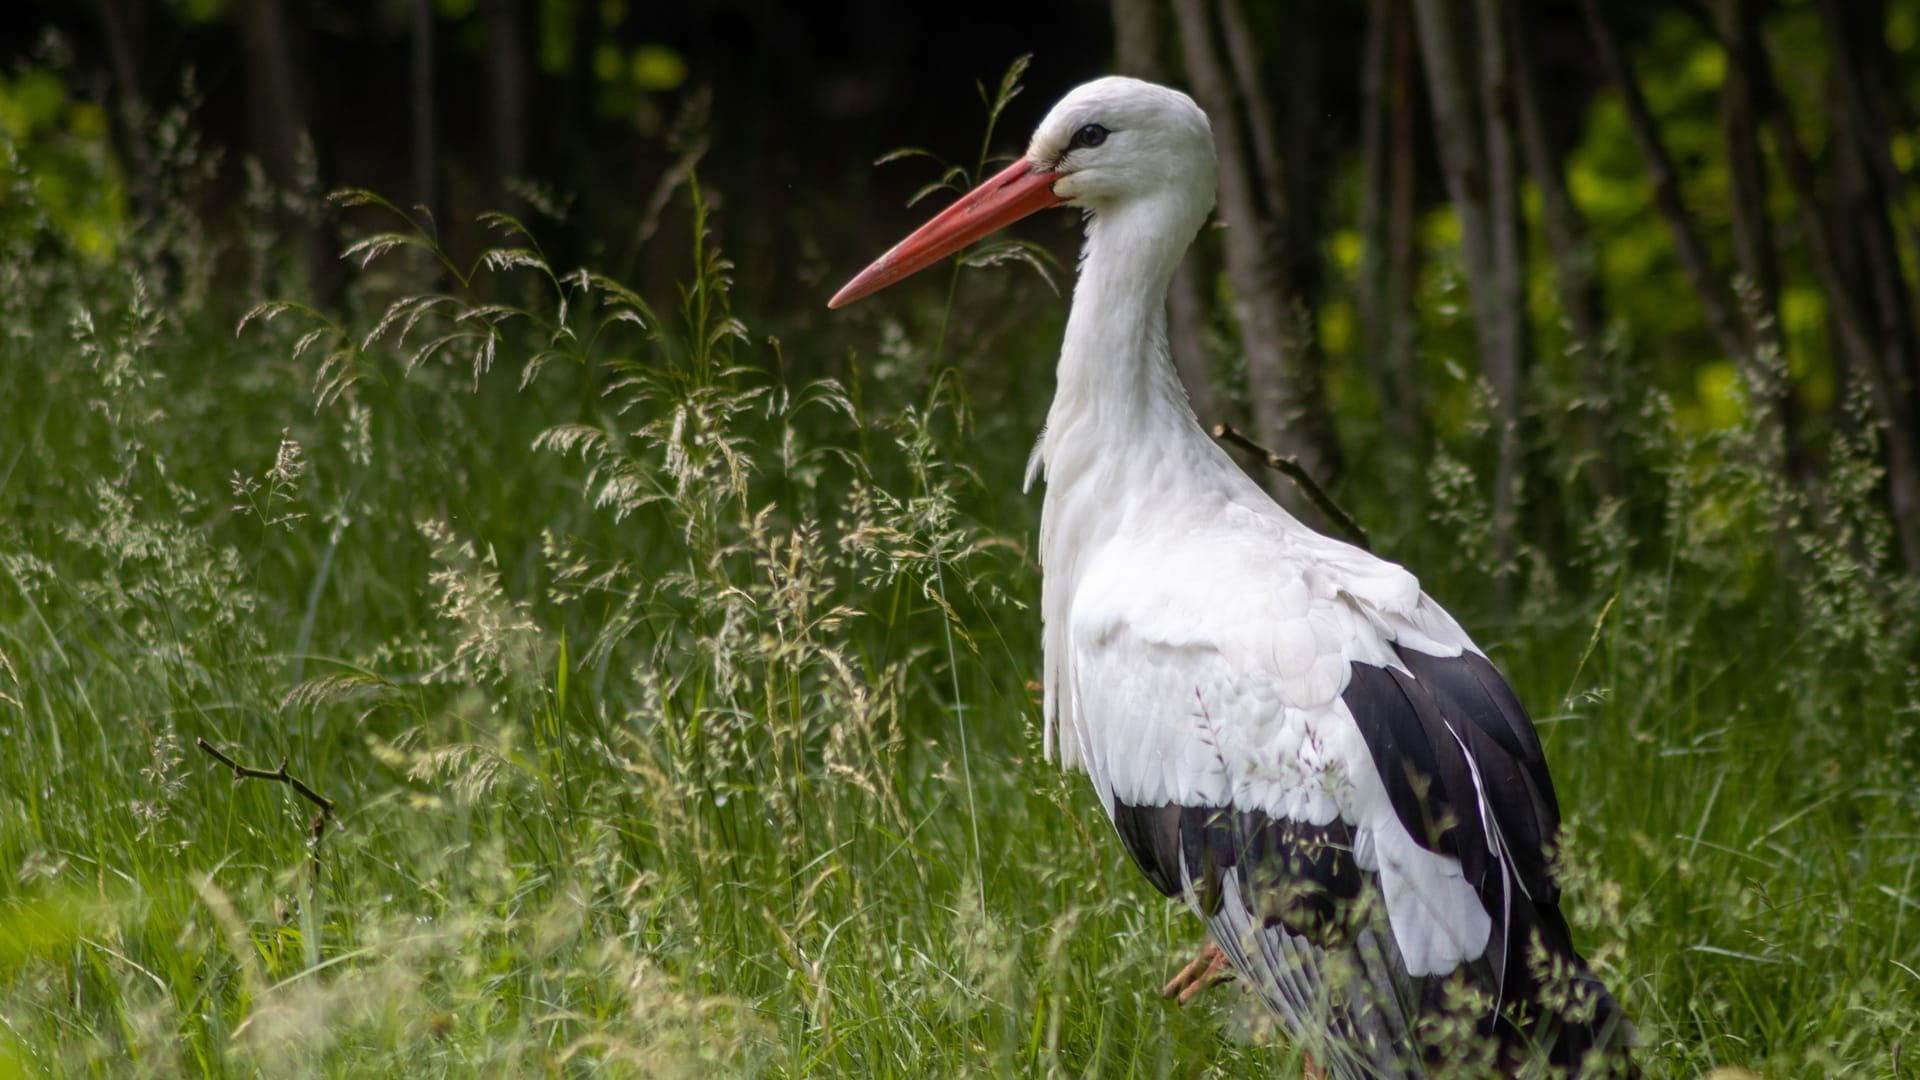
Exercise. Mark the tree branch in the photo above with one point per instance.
(247, 772)
(1290, 467)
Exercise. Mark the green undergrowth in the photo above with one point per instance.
(676, 714)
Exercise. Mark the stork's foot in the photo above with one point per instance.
(1207, 969)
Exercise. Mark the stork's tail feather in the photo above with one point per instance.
(1568, 1018)
(1357, 1013)
(1599, 1046)
(1349, 1010)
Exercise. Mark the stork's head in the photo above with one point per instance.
(1110, 146)
(1117, 139)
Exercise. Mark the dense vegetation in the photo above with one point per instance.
(671, 685)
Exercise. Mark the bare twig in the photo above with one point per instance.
(247, 772)
(1290, 467)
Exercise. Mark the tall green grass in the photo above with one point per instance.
(675, 708)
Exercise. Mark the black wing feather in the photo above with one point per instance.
(1303, 876)
(1429, 728)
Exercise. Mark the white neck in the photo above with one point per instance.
(1117, 393)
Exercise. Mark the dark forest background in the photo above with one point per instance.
(1727, 182)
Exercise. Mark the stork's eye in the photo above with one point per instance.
(1091, 135)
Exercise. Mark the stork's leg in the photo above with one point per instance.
(1207, 969)
(1210, 969)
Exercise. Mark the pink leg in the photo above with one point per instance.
(1207, 969)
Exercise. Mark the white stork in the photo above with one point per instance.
(1285, 730)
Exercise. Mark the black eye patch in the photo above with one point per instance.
(1091, 135)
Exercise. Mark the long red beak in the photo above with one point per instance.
(1020, 189)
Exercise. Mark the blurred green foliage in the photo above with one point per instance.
(59, 147)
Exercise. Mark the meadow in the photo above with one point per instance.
(670, 687)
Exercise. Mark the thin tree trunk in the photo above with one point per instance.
(1403, 233)
(277, 113)
(1880, 297)
(273, 94)
(426, 137)
(1575, 263)
(1138, 38)
(506, 95)
(1286, 152)
(1508, 351)
(1753, 241)
(1854, 29)
(1717, 301)
(1876, 95)
(123, 25)
(1876, 360)
(1387, 256)
(1755, 259)
(1460, 142)
(1287, 403)
(1262, 127)
(1481, 185)
(1747, 176)
(574, 142)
